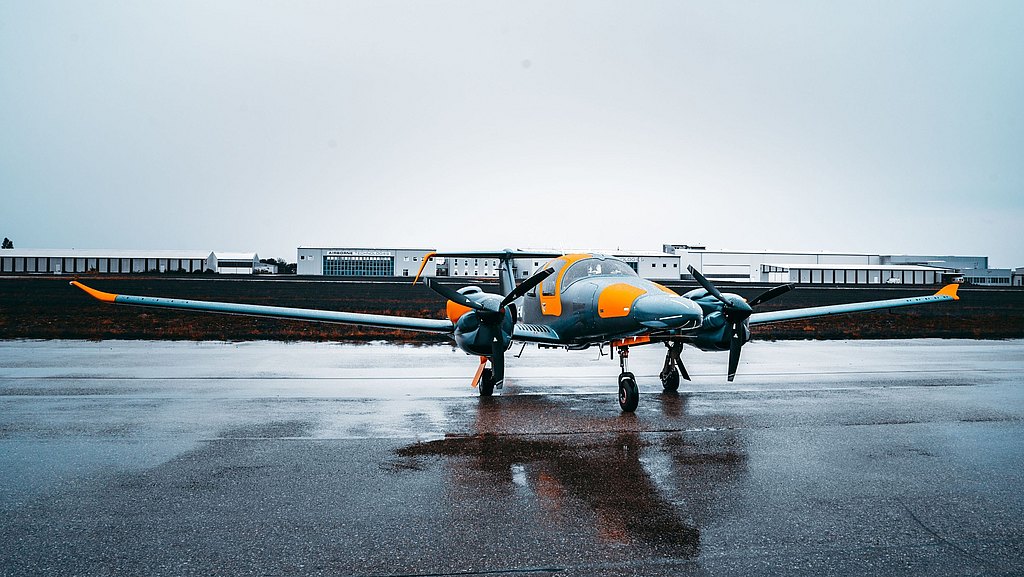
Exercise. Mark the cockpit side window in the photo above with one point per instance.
(547, 288)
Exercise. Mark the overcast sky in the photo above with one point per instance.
(886, 127)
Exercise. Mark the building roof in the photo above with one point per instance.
(234, 255)
(605, 251)
(846, 266)
(103, 253)
(424, 250)
(769, 251)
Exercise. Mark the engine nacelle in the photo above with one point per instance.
(476, 331)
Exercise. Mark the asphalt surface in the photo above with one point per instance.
(823, 458)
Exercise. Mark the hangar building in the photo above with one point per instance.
(236, 262)
(104, 261)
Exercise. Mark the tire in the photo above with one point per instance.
(486, 385)
(629, 393)
(671, 381)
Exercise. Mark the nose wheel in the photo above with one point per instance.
(629, 393)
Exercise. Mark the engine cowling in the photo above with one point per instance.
(476, 331)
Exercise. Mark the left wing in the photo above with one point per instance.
(946, 293)
(370, 320)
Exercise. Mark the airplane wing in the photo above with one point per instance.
(946, 293)
(370, 320)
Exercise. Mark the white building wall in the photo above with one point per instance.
(403, 262)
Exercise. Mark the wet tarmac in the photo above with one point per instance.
(823, 458)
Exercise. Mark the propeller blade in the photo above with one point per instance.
(498, 360)
(771, 293)
(735, 344)
(704, 282)
(527, 285)
(454, 295)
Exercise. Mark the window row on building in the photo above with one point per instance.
(75, 261)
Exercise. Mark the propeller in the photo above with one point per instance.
(487, 329)
(771, 293)
(736, 311)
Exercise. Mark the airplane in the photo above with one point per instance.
(575, 302)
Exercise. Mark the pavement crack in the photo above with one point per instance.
(991, 566)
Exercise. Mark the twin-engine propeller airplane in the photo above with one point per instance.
(576, 301)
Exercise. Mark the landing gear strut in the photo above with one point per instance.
(673, 367)
(629, 393)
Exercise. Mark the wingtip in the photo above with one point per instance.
(949, 291)
(98, 295)
(423, 265)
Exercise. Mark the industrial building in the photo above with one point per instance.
(989, 276)
(647, 264)
(670, 264)
(825, 267)
(335, 261)
(104, 261)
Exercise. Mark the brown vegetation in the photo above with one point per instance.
(47, 307)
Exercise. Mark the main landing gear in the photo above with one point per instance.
(673, 367)
(484, 379)
(629, 393)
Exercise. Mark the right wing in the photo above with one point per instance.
(369, 320)
(946, 293)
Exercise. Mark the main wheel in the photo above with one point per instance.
(671, 381)
(486, 385)
(629, 393)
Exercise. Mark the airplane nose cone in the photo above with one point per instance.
(667, 312)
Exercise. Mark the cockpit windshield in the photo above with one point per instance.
(595, 267)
